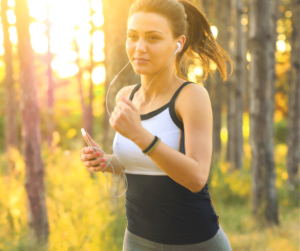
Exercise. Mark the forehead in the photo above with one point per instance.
(143, 22)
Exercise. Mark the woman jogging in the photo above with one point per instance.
(163, 129)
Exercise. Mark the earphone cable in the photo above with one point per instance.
(109, 162)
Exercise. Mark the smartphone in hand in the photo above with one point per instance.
(86, 139)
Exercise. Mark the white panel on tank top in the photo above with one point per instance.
(132, 157)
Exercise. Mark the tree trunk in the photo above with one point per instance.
(271, 210)
(293, 138)
(229, 86)
(31, 131)
(222, 22)
(246, 28)
(261, 110)
(51, 86)
(115, 28)
(11, 139)
(237, 88)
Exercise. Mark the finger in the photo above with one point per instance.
(122, 110)
(91, 150)
(91, 156)
(87, 150)
(117, 110)
(101, 166)
(96, 155)
(92, 163)
(111, 121)
(97, 167)
(123, 106)
(129, 103)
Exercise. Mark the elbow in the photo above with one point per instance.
(198, 185)
(197, 189)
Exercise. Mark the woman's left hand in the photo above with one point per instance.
(126, 119)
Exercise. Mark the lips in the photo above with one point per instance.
(141, 59)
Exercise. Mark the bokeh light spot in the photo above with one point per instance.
(98, 75)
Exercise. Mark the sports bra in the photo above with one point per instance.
(158, 208)
(163, 123)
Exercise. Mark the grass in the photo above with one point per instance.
(245, 233)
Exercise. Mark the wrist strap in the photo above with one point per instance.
(152, 145)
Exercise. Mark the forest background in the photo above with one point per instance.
(57, 59)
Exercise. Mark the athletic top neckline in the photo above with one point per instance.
(157, 111)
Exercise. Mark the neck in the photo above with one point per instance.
(161, 84)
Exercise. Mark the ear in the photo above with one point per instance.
(181, 40)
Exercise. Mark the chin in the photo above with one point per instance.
(141, 71)
(144, 70)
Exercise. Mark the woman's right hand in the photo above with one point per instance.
(93, 161)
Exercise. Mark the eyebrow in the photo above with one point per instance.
(146, 31)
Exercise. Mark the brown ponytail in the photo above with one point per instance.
(186, 19)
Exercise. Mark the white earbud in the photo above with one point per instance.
(178, 47)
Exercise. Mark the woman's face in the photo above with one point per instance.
(149, 37)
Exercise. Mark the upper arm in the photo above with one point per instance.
(194, 107)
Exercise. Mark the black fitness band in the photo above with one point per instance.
(151, 145)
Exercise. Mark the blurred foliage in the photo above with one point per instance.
(2, 136)
(81, 216)
(80, 212)
(79, 209)
(234, 186)
(280, 132)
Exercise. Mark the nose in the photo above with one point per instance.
(140, 46)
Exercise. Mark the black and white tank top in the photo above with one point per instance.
(158, 208)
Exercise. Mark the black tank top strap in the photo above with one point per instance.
(172, 106)
(134, 90)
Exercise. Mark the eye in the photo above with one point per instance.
(131, 36)
(153, 38)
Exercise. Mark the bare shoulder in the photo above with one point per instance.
(196, 95)
(124, 91)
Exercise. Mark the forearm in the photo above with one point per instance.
(116, 164)
(181, 168)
